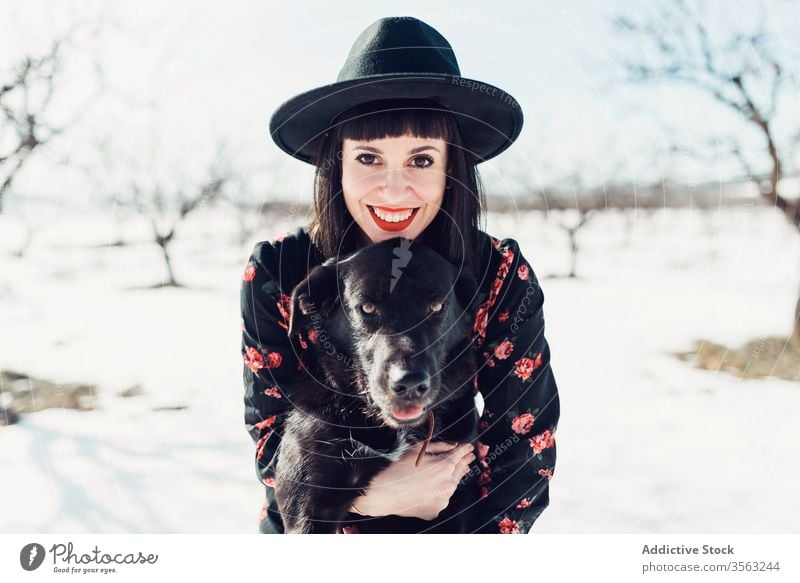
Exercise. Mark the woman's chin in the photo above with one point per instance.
(377, 234)
(384, 235)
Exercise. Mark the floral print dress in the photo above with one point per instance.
(517, 447)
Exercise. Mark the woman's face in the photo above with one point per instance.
(394, 186)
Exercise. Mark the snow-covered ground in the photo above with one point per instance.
(645, 443)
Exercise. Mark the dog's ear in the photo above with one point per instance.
(316, 294)
(466, 288)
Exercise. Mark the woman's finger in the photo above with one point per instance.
(438, 446)
(462, 467)
(461, 451)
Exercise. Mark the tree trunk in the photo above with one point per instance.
(6, 186)
(168, 262)
(573, 244)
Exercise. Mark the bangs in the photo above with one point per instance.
(399, 117)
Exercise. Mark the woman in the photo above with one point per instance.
(395, 142)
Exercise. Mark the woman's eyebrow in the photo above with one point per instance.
(411, 151)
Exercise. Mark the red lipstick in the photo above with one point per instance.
(389, 226)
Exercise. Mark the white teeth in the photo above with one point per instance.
(392, 217)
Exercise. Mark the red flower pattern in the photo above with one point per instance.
(269, 481)
(495, 289)
(508, 526)
(253, 359)
(547, 473)
(481, 321)
(284, 307)
(523, 423)
(482, 314)
(524, 503)
(504, 349)
(522, 272)
(268, 422)
(249, 272)
(525, 366)
(272, 392)
(542, 441)
(261, 444)
(505, 266)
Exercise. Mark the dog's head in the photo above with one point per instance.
(400, 313)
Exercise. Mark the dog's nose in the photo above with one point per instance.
(412, 385)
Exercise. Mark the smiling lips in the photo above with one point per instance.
(390, 219)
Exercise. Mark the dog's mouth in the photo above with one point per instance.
(406, 413)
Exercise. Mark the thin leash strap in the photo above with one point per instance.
(427, 439)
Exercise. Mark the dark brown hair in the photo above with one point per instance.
(455, 232)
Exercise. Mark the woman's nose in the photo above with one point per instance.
(395, 183)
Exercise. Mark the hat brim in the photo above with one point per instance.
(490, 119)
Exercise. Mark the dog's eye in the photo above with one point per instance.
(368, 308)
(436, 306)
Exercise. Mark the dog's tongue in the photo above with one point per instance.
(410, 412)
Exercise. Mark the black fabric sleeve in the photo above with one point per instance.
(269, 363)
(517, 449)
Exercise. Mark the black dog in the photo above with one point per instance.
(387, 335)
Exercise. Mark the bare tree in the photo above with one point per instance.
(168, 208)
(583, 204)
(23, 117)
(572, 229)
(745, 75)
(27, 92)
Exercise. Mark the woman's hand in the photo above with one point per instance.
(420, 491)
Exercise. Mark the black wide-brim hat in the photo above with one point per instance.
(400, 58)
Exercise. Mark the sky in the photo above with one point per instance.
(184, 81)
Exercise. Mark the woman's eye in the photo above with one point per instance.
(427, 159)
(368, 308)
(417, 162)
(361, 157)
(436, 306)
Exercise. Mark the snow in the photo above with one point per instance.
(646, 443)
